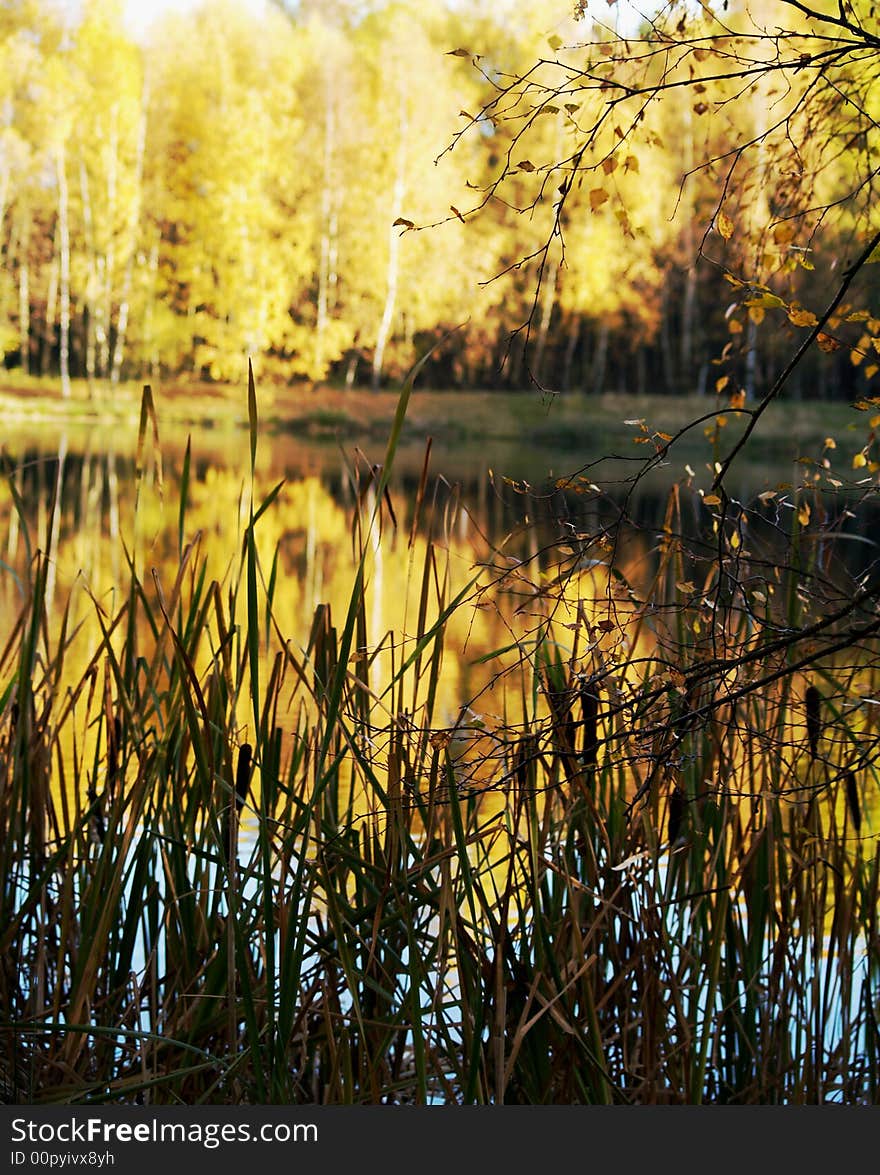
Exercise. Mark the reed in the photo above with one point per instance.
(648, 882)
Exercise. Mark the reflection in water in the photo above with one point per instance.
(545, 553)
(492, 753)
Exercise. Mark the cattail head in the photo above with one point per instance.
(243, 775)
(852, 799)
(677, 803)
(590, 714)
(114, 741)
(813, 701)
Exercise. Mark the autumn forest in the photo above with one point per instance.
(330, 188)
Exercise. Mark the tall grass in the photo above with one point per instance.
(653, 880)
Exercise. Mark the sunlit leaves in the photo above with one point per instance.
(765, 300)
(783, 234)
(598, 196)
(800, 317)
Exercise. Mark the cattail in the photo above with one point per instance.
(97, 828)
(852, 799)
(677, 802)
(525, 754)
(813, 701)
(242, 776)
(590, 712)
(114, 739)
(563, 727)
(229, 827)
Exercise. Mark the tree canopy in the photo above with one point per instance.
(328, 189)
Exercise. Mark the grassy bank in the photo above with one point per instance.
(274, 874)
(568, 423)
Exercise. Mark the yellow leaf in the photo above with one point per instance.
(711, 500)
(830, 443)
(721, 384)
(856, 356)
(801, 317)
(859, 461)
(756, 314)
(783, 233)
(598, 196)
(827, 343)
(871, 371)
(767, 300)
(686, 587)
(735, 326)
(724, 225)
(734, 541)
(631, 163)
(804, 513)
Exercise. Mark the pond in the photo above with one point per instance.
(99, 499)
(547, 773)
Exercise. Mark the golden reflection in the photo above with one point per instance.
(462, 650)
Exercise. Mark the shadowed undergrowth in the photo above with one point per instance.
(238, 870)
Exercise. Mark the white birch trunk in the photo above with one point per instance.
(393, 270)
(64, 271)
